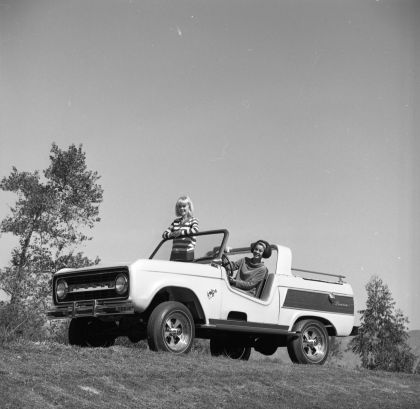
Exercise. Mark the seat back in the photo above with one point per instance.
(261, 286)
(266, 288)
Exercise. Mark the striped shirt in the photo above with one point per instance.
(183, 246)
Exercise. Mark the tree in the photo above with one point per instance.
(50, 219)
(381, 342)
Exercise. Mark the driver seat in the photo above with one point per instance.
(265, 289)
(261, 286)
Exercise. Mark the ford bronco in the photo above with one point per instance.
(170, 303)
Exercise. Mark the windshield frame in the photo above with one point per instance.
(225, 233)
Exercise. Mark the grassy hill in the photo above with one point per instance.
(347, 359)
(51, 375)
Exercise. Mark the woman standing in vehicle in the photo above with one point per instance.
(180, 230)
(251, 271)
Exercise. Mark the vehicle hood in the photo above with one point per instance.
(174, 267)
(141, 266)
(95, 267)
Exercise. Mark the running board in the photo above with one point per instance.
(245, 326)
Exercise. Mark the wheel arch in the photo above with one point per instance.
(331, 330)
(183, 295)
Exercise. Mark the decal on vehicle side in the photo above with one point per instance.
(211, 293)
(311, 300)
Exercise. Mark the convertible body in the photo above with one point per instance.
(170, 303)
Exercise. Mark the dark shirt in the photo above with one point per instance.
(250, 275)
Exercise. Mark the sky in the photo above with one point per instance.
(294, 121)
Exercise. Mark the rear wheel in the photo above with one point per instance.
(311, 346)
(266, 346)
(230, 348)
(171, 328)
(91, 332)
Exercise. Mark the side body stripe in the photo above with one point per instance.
(318, 301)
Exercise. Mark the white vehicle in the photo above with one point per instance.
(170, 303)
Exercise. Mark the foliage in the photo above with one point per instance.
(382, 339)
(18, 321)
(50, 219)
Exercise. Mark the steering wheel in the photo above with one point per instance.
(227, 264)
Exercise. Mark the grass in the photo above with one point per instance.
(51, 375)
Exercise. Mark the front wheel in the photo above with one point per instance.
(311, 346)
(230, 348)
(171, 328)
(91, 332)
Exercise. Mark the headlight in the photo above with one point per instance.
(121, 284)
(61, 289)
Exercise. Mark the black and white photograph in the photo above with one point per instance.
(209, 204)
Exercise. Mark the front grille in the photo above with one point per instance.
(95, 284)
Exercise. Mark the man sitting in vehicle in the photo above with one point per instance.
(251, 271)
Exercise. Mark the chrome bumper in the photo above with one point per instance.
(93, 308)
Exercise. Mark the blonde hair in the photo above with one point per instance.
(184, 200)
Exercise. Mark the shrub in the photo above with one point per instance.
(17, 321)
(382, 339)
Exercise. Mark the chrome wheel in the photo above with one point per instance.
(177, 332)
(171, 328)
(313, 344)
(229, 347)
(310, 345)
(237, 352)
(91, 332)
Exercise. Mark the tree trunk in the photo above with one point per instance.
(16, 292)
